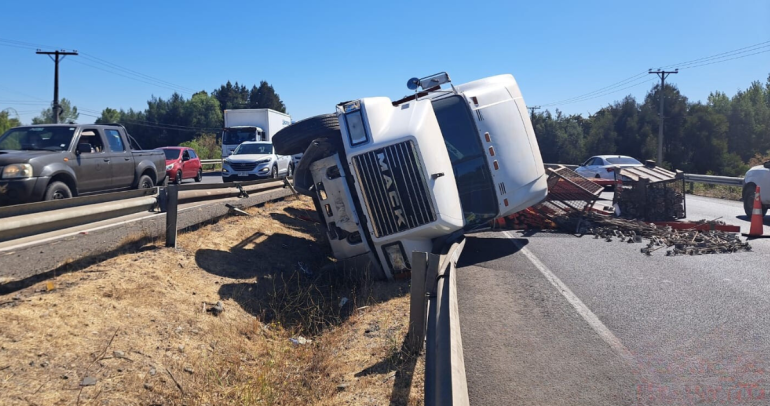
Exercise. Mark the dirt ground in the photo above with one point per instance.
(141, 328)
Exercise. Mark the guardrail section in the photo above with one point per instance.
(434, 296)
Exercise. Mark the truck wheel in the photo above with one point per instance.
(199, 177)
(748, 200)
(295, 138)
(145, 182)
(178, 180)
(57, 190)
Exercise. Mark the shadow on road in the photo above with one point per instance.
(479, 250)
(766, 220)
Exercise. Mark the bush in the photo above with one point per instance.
(205, 145)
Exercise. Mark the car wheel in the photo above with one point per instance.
(57, 191)
(748, 200)
(289, 171)
(274, 172)
(199, 177)
(178, 179)
(145, 182)
(295, 138)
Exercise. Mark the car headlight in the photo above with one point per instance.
(168, 167)
(263, 161)
(16, 171)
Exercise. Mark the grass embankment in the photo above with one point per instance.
(717, 191)
(138, 324)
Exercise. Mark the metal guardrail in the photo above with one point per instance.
(434, 297)
(688, 177)
(210, 161)
(30, 219)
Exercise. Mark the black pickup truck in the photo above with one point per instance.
(58, 161)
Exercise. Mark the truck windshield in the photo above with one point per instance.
(37, 138)
(258, 149)
(235, 136)
(474, 181)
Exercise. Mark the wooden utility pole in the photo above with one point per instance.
(57, 57)
(532, 110)
(663, 75)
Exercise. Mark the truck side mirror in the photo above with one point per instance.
(81, 148)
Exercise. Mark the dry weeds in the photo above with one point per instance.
(138, 324)
(718, 191)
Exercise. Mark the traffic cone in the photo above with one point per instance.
(757, 220)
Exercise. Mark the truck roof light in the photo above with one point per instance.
(491, 151)
(486, 136)
(496, 165)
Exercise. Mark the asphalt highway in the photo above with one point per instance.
(553, 319)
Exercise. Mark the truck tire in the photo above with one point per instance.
(295, 138)
(145, 182)
(57, 190)
(748, 200)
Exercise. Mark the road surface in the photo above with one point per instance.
(552, 319)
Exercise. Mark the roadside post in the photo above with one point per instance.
(172, 199)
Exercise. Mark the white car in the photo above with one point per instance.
(602, 166)
(255, 160)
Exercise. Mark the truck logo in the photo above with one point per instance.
(395, 203)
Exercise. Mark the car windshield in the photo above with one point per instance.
(235, 136)
(474, 181)
(259, 149)
(37, 138)
(171, 153)
(623, 160)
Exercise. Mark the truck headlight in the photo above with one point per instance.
(356, 127)
(16, 171)
(168, 167)
(396, 257)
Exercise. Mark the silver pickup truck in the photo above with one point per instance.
(58, 161)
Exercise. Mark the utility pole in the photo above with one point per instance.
(532, 110)
(663, 75)
(56, 59)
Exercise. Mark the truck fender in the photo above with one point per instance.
(61, 170)
(146, 166)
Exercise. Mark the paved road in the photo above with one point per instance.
(552, 319)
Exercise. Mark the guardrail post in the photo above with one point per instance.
(691, 187)
(417, 309)
(171, 215)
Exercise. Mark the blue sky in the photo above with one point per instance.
(317, 54)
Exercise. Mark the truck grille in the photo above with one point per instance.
(243, 167)
(395, 192)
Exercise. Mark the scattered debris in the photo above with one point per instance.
(148, 386)
(175, 381)
(341, 387)
(343, 301)
(236, 210)
(153, 371)
(88, 381)
(216, 309)
(118, 354)
(300, 340)
(189, 370)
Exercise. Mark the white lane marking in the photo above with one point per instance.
(581, 308)
(86, 231)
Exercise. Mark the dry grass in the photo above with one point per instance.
(718, 191)
(138, 324)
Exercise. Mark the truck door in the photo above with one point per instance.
(92, 168)
(122, 162)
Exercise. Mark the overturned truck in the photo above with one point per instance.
(392, 177)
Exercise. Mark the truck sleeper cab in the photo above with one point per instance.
(408, 172)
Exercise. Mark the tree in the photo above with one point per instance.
(265, 97)
(108, 116)
(69, 114)
(6, 122)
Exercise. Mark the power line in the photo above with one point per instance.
(116, 66)
(612, 86)
(132, 78)
(723, 54)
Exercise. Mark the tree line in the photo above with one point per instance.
(722, 136)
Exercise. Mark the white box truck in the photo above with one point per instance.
(392, 177)
(251, 125)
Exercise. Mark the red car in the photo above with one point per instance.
(182, 163)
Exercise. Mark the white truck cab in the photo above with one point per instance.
(756, 176)
(408, 172)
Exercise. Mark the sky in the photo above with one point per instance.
(317, 54)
